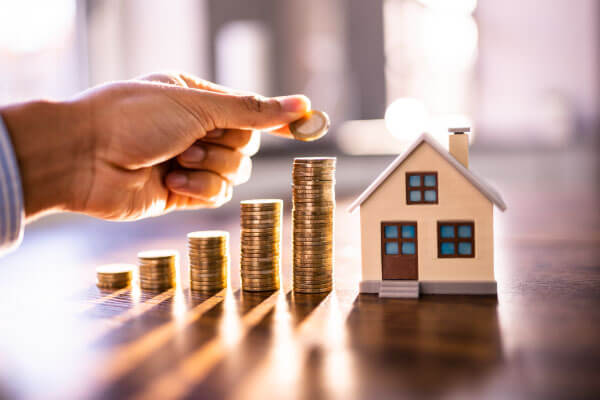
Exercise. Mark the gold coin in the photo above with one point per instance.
(309, 160)
(208, 235)
(208, 274)
(313, 291)
(155, 287)
(264, 204)
(206, 288)
(115, 269)
(119, 285)
(311, 126)
(157, 254)
(250, 264)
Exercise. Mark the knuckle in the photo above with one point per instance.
(217, 185)
(253, 103)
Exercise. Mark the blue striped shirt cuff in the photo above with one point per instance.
(12, 211)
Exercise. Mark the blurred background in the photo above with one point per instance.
(525, 75)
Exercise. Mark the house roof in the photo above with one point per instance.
(476, 181)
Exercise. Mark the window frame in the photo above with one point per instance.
(455, 239)
(400, 239)
(422, 188)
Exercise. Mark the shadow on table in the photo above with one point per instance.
(432, 346)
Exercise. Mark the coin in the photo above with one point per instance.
(312, 126)
(208, 254)
(260, 243)
(313, 197)
(157, 269)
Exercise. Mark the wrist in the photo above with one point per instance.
(53, 150)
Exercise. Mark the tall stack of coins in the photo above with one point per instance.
(157, 269)
(208, 252)
(114, 276)
(260, 244)
(313, 180)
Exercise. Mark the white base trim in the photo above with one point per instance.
(440, 287)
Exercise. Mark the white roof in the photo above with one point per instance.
(479, 183)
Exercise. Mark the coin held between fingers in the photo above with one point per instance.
(312, 126)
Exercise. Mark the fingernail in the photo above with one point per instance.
(215, 133)
(194, 154)
(297, 104)
(176, 180)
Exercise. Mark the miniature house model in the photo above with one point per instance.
(427, 224)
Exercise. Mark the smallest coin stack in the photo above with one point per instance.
(208, 252)
(157, 269)
(260, 244)
(114, 276)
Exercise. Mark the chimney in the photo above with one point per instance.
(459, 145)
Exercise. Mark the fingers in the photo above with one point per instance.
(187, 80)
(197, 83)
(229, 164)
(245, 141)
(169, 79)
(177, 201)
(228, 111)
(202, 185)
(283, 131)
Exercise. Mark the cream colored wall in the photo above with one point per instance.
(458, 200)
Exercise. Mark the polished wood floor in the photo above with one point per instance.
(61, 337)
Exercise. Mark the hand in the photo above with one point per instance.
(132, 149)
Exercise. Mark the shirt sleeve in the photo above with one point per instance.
(12, 213)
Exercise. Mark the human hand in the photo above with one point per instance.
(132, 149)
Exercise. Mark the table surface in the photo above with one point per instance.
(61, 337)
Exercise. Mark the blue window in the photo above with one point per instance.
(414, 180)
(391, 232)
(465, 231)
(465, 248)
(430, 180)
(408, 231)
(447, 231)
(399, 238)
(408, 248)
(391, 248)
(415, 196)
(430, 196)
(456, 239)
(422, 188)
(447, 248)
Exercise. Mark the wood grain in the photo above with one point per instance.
(62, 337)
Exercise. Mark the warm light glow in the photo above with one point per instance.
(405, 118)
(451, 6)
(285, 348)
(33, 25)
(230, 327)
(449, 41)
(179, 305)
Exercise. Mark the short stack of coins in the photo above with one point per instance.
(208, 255)
(114, 276)
(157, 269)
(260, 244)
(313, 181)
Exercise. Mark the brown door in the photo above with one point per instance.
(399, 250)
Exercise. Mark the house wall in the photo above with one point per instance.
(458, 200)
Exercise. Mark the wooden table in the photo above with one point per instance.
(63, 338)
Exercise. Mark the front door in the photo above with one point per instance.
(399, 250)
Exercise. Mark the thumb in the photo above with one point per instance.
(234, 111)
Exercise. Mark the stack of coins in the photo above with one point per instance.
(114, 276)
(157, 269)
(208, 252)
(260, 244)
(313, 180)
